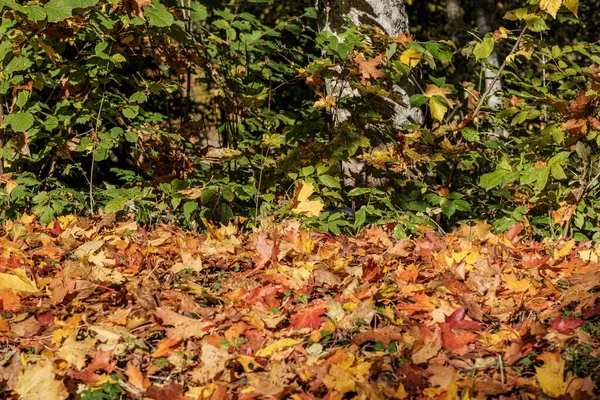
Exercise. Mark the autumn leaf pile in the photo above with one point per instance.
(105, 309)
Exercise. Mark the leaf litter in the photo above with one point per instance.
(93, 305)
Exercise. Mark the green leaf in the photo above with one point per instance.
(19, 122)
(359, 191)
(131, 136)
(57, 10)
(484, 48)
(81, 3)
(330, 181)
(537, 24)
(138, 97)
(188, 209)
(448, 208)
(158, 15)
(492, 179)
(35, 12)
(46, 214)
(131, 111)
(208, 194)
(293, 28)
(417, 100)
(360, 217)
(199, 12)
(116, 204)
(556, 165)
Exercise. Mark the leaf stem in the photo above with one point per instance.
(504, 63)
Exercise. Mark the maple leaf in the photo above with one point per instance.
(182, 327)
(591, 312)
(314, 80)
(410, 57)
(135, 376)
(566, 325)
(38, 381)
(308, 319)
(384, 335)
(456, 320)
(368, 68)
(457, 342)
(301, 204)
(276, 346)
(325, 102)
(550, 376)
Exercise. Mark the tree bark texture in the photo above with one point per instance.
(391, 17)
(486, 19)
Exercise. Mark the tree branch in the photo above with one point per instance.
(491, 87)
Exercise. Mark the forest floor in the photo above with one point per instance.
(105, 309)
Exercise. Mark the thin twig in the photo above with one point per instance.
(491, 87)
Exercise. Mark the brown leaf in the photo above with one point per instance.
(384, 335)
(368, 68)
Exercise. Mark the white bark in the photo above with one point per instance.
(391, 17)
(485, 17)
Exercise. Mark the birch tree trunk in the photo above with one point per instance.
(486, 16)
(391, 17)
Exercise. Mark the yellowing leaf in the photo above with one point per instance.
(572, 5)
(410, 57)
(551, 375)
(438, 109)
(276, 346)
(310, 208)
(38, 381)
(565, 250)
(511, 282)
(325, 102)
(75, 351)
(551, 6)
(17, 281)
(433, 90)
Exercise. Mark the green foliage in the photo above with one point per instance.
(110, 391)
(109, 106)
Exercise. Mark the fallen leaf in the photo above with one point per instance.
(308, 319)
(551, 375)
(276, 346)
(38, 381)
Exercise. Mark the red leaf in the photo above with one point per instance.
(457, 321)
(308, 319)
(566, 325)
(591, 312)
(456, 341)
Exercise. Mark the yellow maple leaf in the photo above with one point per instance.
(277, 345)
(511, 282)
(325, 102)
(17, 281)
(410, 57)
(551, 6)
(565, 250)
(38, 381)
(310, 208)
(550, 376)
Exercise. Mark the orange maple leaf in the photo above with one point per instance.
(368, 68)
(308, 319)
